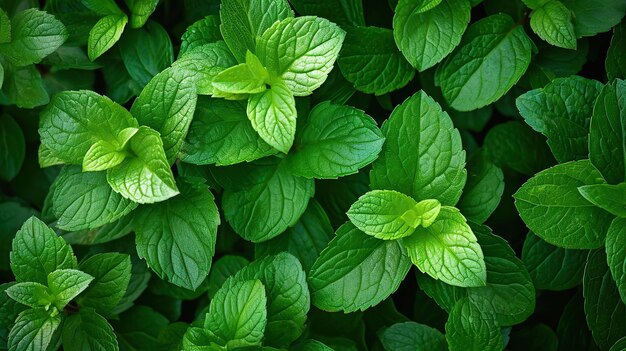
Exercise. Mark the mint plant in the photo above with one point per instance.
(312, 175)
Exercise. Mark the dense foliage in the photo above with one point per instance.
(313, 175)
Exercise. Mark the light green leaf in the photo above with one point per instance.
(357, 271)
(562, 112)
(493, 56)
(273, 115)
(177, 237)
(428, 31)
(88, 331)
(203, 63)
(146, 177)
(301, 51)
(38, 251)
(35, 34)
(409, 336)
(615, 62)
(611, 198)
(75, 120)
(86, 201)
(371, 61)
(167, 105)
(595, 16)
(553, 23)
(140, 11)
(448, 250)
(607, 138)
(243, 22)
(13, 148)
(237, 315)
(31, 294)
(266, 200)
(616, 254)
(551, 206)
(103, 154)
(105, 34)
(472, 326)
(66, 284)
(483, 190)
(203, 32)
(245, 78)
(33, 330)
(111, 272)
(413, 160)
(336, 141)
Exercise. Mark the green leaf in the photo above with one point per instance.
(483, 190)
(619, 345)
(616, 254)
(222, 269)
(145, 177)
(88, 331)
(5, 27)
(493, 56)
(177, 237)
(428, 31)
(237, 316)
(595, 16)
(288, 300)
(344, 13)
(31, 294)
(412, 160)
(35, 34)
(473, 326)
(448, 250)
(245, 78)
(9, 310)
(304, 60)
(273, 115)
(103, 154)
(611, 198)
(140, 11)
(12, 215)
(562, 112)
(371, 61)
(552, 267)
(13, 148)
(221, 134)
(24, 87)
(68, 126)
(102, 7)
(203, 32)
(553, 23)
(266, 200)
(409, 336)
(357, 271)
(105, 34)
(167, 105)
(38, 251)
(604, 310)
(111, 272)
(33, 330)
(86, 201)
(607, 140)
(243, 22)
(551, 206)
(336, 141)
(203, 63)
(615, 62)
(66, 284)
(535, 4)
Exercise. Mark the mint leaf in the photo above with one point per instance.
(616, 254)
(221, 134)
(14, 147)
(86, 201)
(105, 34)
(33, 330)
(243, 22)
(35, 34)
(615, 62)
(472, 325)
(553, 23)
(483, 190)
(371, 61)
(266, 200)
(551, 206)
(356, 271)
(245, 78)
(167, 105)
(24, 87)
(562, 112)
(103, 154)
(611, 198)
(5, 27)
(111, 272)
(448, 250)
(205, 62)
(145, 177)
(31, 294)
(38, 251)
(68, 127)
(87, 330)
(66, 284)
(336, 141)
(140, 11)
(237, 314)
(222, 269)
(476, 75)
(304, 60)
(408, 336)
(428, 31)
(203, 32)
(416, 133)
(177, 237)
(607, 140)
(595, 16)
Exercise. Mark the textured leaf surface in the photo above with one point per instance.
(87, 330)
(611, 198)
(483, 190)
(615, 62)
(472, 326)
(105, 34)
(553, 23)
(66, 284)
(408, 336)
(33, 330)
(111, 272)
(616, 254)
